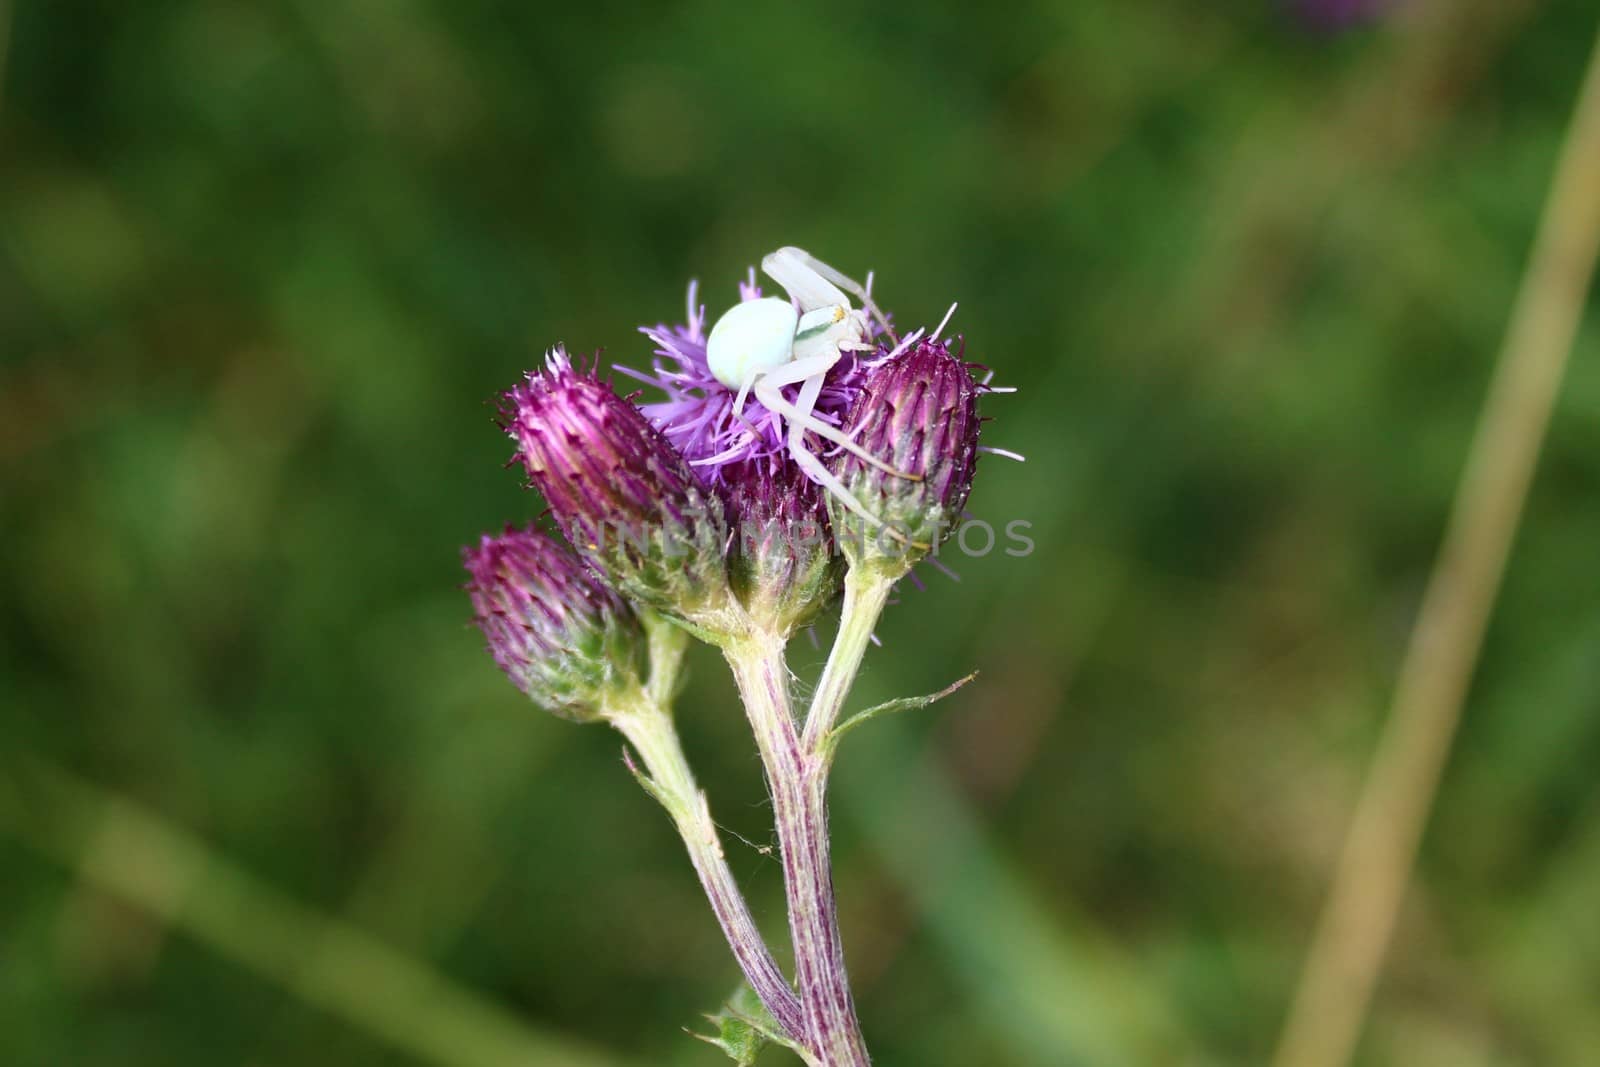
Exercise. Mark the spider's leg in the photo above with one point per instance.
(814, 468)
(738, 401)
(793, 257)
(818, 472)
(843, 281)
(793, 269)
(805, 404)
(766, 390)
(799, 369)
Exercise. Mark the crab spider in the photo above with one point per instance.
(759, 346)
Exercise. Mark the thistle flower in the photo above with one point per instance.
(698, 414)
(781, 561)
(918, 412)
(808, 423)
(561, 636)
(627, 499)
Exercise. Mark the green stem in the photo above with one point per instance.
(648, 727)
(865, 594)
(668, 642)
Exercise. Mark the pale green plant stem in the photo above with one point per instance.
(865, 594)
(797, 777)
(649, 729)
(668, 642)
(1369, 883)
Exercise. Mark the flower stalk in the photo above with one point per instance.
(648, 727)
(797, 776)
(713, 514)
(865, 594)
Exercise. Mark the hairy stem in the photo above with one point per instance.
(648, 727)
(865, 594)
(668, 642)
(797, 777)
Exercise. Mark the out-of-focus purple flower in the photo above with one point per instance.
(918, 412)
(560, 635)
(781, 559)
(1341, 14)
(698, 415)
(626, 498)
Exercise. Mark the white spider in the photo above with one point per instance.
(759, 346)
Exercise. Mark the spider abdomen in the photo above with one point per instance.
(752, 337)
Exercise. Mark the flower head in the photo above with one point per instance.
(781, 559)
(917, 412)
(626, 498)
(560, 635)
(698, 414)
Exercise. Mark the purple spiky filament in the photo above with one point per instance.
(781, 560)
(918, 412)
(561, 636)
(698, 416)
(626, 498)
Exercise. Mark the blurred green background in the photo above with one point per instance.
(263, 268)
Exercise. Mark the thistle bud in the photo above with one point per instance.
(560, 635)
(629, 502)
(781, 562)
(918, 413)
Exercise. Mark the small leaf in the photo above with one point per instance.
(649, 785)
(744, 1028)
(892, 706)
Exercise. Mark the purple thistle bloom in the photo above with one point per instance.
(561, 636)
(627, 499)
(698, 415)
(815, 376)
(917, 411)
